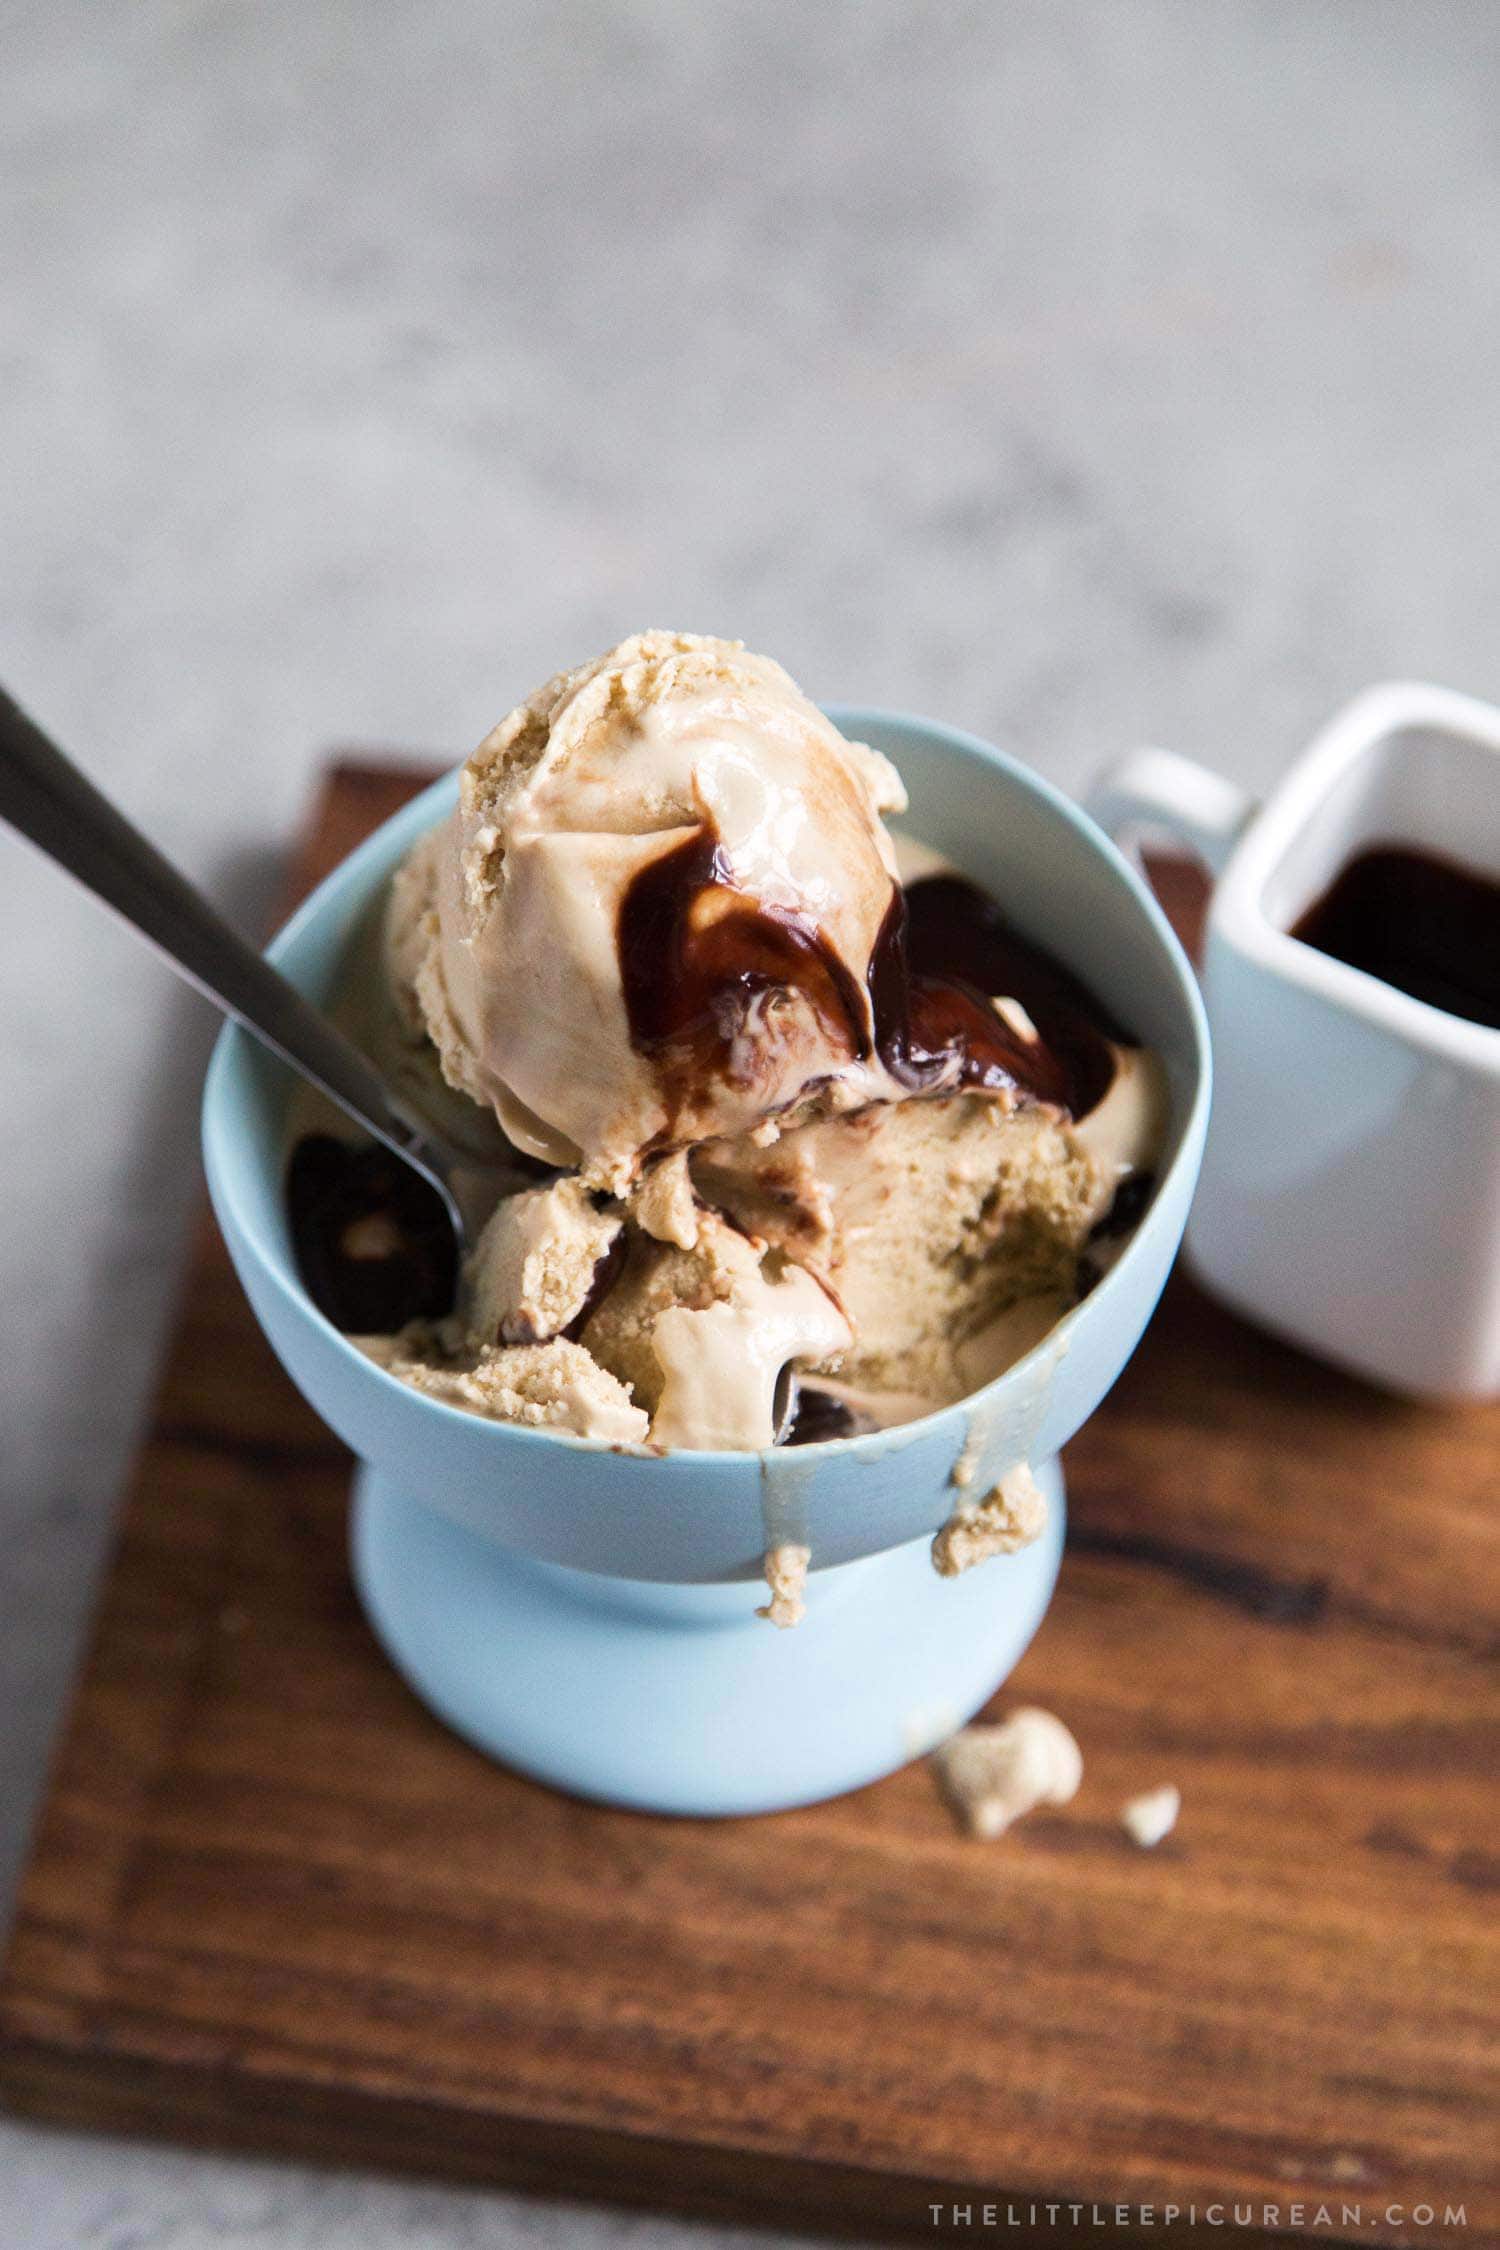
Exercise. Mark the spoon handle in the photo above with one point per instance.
(45, 797)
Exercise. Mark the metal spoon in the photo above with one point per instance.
(47, 800)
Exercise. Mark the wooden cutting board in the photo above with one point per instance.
(273, 1904)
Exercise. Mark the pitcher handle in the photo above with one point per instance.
(1159, 791)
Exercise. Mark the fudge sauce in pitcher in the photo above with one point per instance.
(1417, 921)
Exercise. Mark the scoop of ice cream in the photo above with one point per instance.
(949, 1231)
(653, 913)
(701, 1337)
(551, 1386)
(537, 1266)
(831, 1140)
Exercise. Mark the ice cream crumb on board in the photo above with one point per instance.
(786, 1577)
(1008, 1518)
(1151, 1816)
(992, 1775)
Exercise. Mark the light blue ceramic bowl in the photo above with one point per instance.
(589, 1615)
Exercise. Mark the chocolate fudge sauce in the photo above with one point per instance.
(696, 952)
(1417, 921)
(957, 950)
(372, 1240)
(820, 1416)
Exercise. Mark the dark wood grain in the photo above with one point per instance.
(273, 1904)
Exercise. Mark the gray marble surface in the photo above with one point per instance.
(1077, 373)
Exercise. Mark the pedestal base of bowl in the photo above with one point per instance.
(679, 1699)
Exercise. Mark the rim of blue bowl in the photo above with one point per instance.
(853, 719)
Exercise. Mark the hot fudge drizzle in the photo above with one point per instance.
(696, 953)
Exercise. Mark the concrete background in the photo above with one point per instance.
(1075, 373)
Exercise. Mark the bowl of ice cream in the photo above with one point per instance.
(845, 1090)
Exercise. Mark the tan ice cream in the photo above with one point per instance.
(703, 1336)
(650, 833)
(811, 1148)
(926, 1220)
